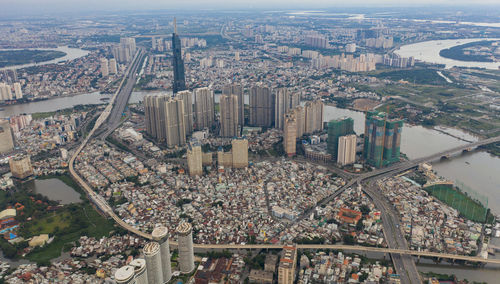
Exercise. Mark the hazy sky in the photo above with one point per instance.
(43, 6)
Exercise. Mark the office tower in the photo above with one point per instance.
(347, 150)
(284, 102)
(229, 116)
(113, 69)
(313, 116)
(194, 159)
(164, 119)
(187, 98)
(203, 108)
(261, 106)
(104, 67)
(20, 166)
(125, 275)
(140, 272)
(288, 262)
(152, 254)
(336, 129)
(382, 139)
(161, 235)
(290, 134)
(240, 152)
(7, 141)
(179, 83)
(186, 253)
(237, 90)
(18, 91)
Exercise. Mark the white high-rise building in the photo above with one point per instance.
(18, 91)
(140, 272)
(186, 253)
(347, 150)
(152, 254)
(125, 275)
(104, 67)
(161, 235)
(284, 102)
(237, 56)
(229, 116)
(187, 97)
(194, 159)
(5, 92)
(113, 69)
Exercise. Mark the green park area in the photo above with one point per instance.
(468, 207)
(66, 223)
(27, 56)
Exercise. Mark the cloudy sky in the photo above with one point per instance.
(47, 6)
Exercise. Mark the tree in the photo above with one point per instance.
(349, 240)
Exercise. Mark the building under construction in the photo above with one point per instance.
(382, 139)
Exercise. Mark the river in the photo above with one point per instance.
(428, 51)
(53, 104)
(71, 54)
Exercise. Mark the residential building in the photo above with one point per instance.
(313, 116)
(347, 150)
(18, 91)
(261, 106)
(382, 139)
(336, 129)
(104, 67)
(161, 235)
(187, 98)
(6, 137)
(186, 253)
(290, 134)
(203, 108)
(229, 116)
(113, 69)
(287, 265)
(165, 119)
(240, 152)
(194, 159)
(284, 102)
(20, 166)
(152, 254)
(237, 90)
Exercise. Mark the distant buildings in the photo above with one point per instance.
(186, 253)
(125, 51)
(382, 139)
(165, 119)
(20, 166)
(203, 108)
(195, 159)
(261, 106)
(229, 116)
(179, 83)
(287, 265)
(316, 40)
(347, 150)
(6, 137)
(284, 102)
(395, 60)
(350, 47)
(237, 90)
(336, 129)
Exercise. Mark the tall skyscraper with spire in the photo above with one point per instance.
(177, 62)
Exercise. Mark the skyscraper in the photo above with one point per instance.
(20, 166)
(237, 90)
(125, 51)
(194, 159)
(140, 273)
(313, 116)
(203, 108)
(152, 254)
(382, 139)
(284, 102)
(7, 143)
(347, 150)
(18, 91)
(186, 253)
(161, 235)
(240, 152)
(165, 119)
(290, 134)
(261, 106)
(187, 99)
(179, 83)
(112, 66)
(125, 275)
(336, 129)
(229, 116)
